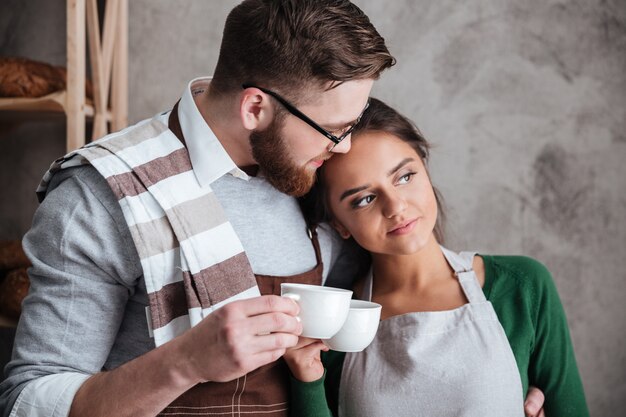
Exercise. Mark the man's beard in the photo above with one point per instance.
(270, 152)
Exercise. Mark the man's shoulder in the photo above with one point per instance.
(83, 188)
(75, 175)
(82, 182)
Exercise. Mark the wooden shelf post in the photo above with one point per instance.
(75, 98)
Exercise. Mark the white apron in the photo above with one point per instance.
(442, 363)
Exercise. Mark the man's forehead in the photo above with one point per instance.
(340, 105)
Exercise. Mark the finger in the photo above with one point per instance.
(305, 341)
(542, 413)
(267, 304)
(256, 360)
(263, 358)
(266, 323)
(314, 348)
(534, 402)
(272, 342)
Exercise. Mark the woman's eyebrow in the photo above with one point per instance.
(400, 165)
(352, 191)
(355, 190)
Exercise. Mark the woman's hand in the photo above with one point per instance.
(304, 359)
(533, 406)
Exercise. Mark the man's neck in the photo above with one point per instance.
(222, 115)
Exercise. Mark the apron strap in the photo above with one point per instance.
(173, 122)
(312, 230)
(462, 263)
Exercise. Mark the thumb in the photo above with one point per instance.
(534, 402)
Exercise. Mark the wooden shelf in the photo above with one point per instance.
(108, 58)
(54, 102)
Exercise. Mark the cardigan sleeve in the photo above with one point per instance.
(552, 365)
(319, 398)
(84, 271)
(308, 399)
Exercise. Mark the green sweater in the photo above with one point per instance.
(528, 306)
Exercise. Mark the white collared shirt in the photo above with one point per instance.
(209, 159)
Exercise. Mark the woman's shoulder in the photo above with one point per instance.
(518, 264)
(517, 272)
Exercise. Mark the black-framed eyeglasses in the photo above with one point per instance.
(293, 110)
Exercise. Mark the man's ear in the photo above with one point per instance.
(343, 232)
(255, 109)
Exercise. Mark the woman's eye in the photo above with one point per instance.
(406, 178)
(362, 202)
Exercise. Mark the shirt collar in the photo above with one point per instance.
(209, 159)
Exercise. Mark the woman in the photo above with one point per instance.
(460, 334)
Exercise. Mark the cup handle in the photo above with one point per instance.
(294, 297)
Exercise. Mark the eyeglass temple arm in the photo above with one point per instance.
(295, 112)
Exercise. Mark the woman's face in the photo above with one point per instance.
(380, 194)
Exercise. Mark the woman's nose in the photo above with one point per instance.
(394, 205)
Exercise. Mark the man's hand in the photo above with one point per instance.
(240, 337)
(229, 343)
(533, 406)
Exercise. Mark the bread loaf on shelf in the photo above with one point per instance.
(12, 255)
(14, 282)
(22, 77)
(13, 289)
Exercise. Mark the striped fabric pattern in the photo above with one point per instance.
(192, 260)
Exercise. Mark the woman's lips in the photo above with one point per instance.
(403, 228)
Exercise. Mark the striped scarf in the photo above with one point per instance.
(192, 260)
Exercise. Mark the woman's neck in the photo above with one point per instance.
(410, 273)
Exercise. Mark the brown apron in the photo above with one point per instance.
(260, 393)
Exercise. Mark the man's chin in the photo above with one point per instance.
(297, 186)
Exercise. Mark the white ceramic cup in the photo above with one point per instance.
(359, 329)
(322, 309)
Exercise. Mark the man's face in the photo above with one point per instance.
(289, 151)
(269, 149)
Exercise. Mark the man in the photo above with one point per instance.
(143, 300)
(158, 215)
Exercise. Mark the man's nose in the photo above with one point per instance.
(343, 146)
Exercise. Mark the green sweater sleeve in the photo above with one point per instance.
(529, 308)
(318, 398)
(308, 399)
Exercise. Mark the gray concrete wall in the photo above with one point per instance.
(524, 101)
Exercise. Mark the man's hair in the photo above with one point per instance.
(289, 45)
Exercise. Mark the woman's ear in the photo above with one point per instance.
(343, 232)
